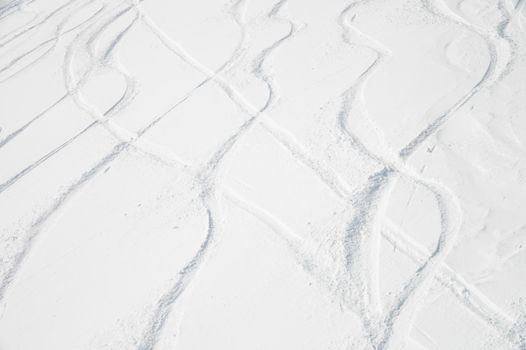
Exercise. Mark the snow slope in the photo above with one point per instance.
(241, 174)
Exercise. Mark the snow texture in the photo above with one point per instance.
(219, 174)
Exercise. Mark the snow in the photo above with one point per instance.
(221, 174)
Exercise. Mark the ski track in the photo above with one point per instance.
(365, 222)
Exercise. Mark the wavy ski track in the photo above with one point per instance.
(467, 294)
(432, 263)
(36, 227)
(325, 173)
(382, 327)
(210, 176)
(229, 92)
(185, 276)
(490, 77)
(38, 224)
(361, 241)
(258, 72)
(411, 297)
(100, 119)
(494, 74)
(334, 182)
(208, 179)
(73, 90)
(104, 59)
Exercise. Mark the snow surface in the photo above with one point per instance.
(293, 174)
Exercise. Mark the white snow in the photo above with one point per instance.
(271, 174)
